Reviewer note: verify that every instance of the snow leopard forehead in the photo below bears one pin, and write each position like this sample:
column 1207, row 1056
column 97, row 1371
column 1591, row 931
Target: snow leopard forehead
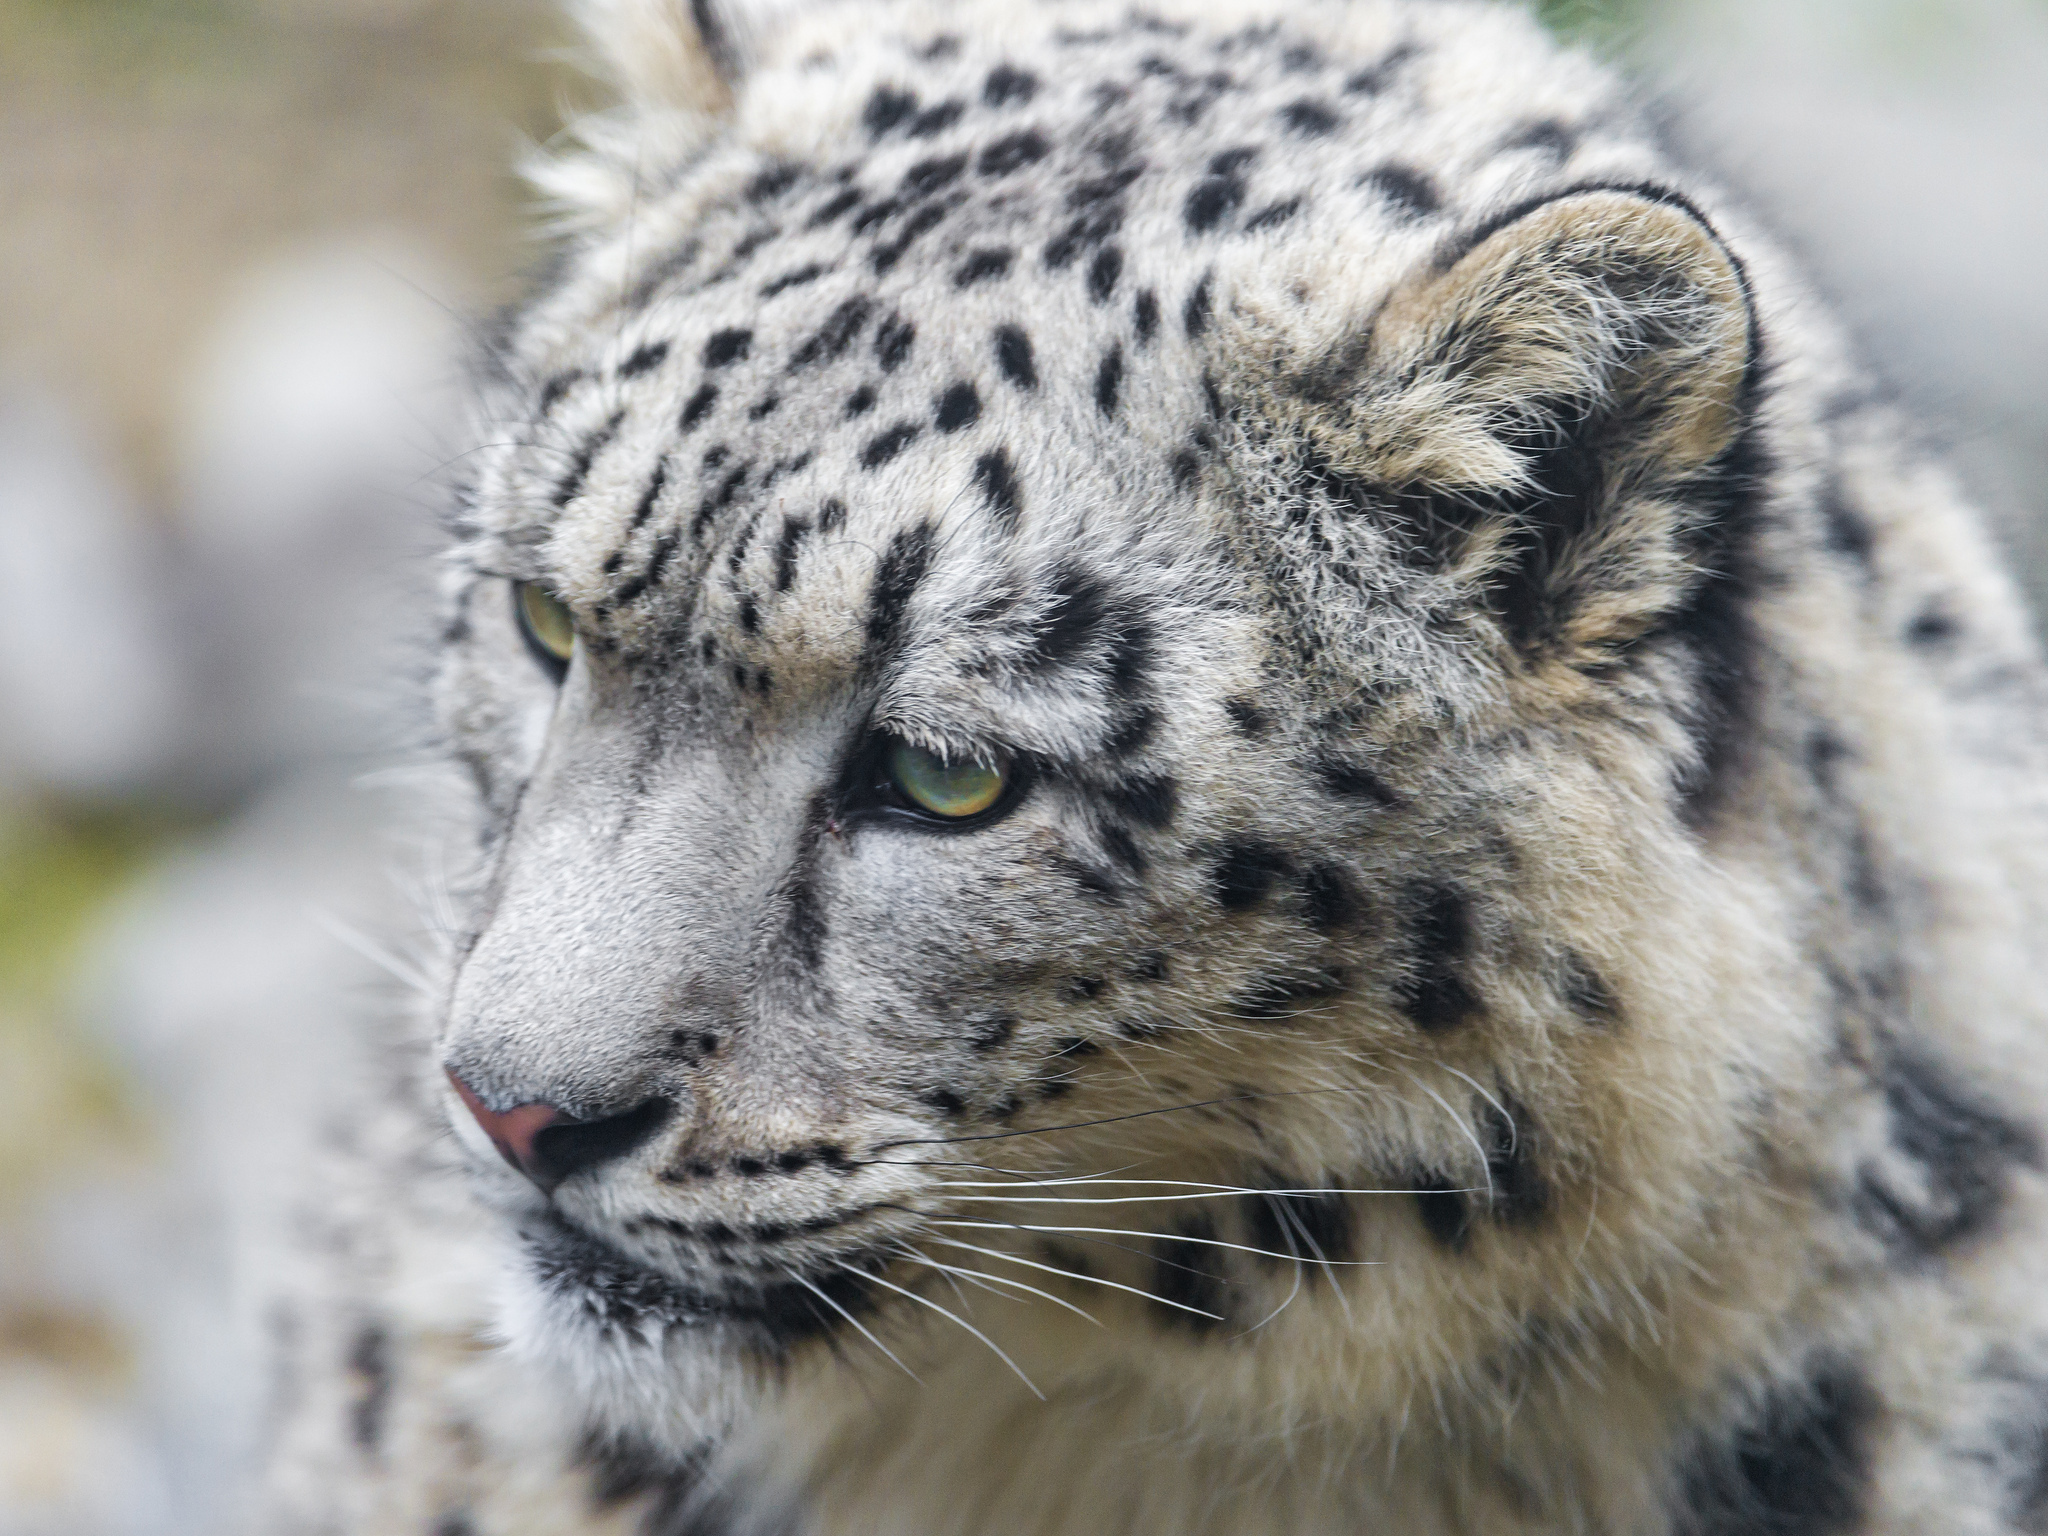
column 968, row 291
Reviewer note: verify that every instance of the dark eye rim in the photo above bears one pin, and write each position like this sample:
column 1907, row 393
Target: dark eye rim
column 871, row 793
column 556, row 667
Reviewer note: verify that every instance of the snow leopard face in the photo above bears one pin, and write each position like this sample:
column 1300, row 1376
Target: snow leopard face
column 1065, row 593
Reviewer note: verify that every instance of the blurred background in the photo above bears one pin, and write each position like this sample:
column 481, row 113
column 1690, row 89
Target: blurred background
column 240, row 244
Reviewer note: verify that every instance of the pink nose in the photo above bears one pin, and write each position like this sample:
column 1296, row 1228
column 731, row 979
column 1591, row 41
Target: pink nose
column 513, row 1131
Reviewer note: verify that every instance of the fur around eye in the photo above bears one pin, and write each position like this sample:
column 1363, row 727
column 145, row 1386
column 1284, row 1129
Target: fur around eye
column 547, row 627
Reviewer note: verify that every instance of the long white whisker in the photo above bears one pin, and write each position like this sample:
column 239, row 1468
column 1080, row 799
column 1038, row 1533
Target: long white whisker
column 1068, row 1274
column 1219, row 1194
column 926, row 1301
column 1514, row 1130
column 973, row 1278
column 1292, row 1291
column 1485, row 1163
column 1177, row 1237
column 374, row 952
column 885, row 1349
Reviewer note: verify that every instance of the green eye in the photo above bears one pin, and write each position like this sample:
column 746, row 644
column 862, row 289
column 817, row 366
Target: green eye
column 952, row 790
column 546, row 623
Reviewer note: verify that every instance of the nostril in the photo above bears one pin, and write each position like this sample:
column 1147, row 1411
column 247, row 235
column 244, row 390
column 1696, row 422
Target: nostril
column 548, row 1146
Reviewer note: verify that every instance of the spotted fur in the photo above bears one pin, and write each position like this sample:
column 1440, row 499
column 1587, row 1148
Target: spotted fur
column 1505, row 1002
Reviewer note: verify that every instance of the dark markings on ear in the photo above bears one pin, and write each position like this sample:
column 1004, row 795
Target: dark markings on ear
column 831, row 515
column 861, row 401
column 1848, row 534
column 1309, row 118
column 1411, row 194
column 1329, row 897
column 793, row 532
column 1109, row 381
column 570, row 486
column 1797, row 1461
column 1185, row 1269
column 917, row 225
column 997, row 481
column 1249, row 720
column 1013, row 152
column 645, row 359
column 1014, row 357
column 699, row 406
column 1961, row 1149
column 793, row 279
column 370, row 1381
column 1268, row 999
column 1316, row 1229
column 1145, row 315
column 1433, row 994
column 727, row 347
column 1519, row 1194
column 1246, row 871
column 958, row 408
column 1220, row 194
column 644, row 508
column 903, row 565
column 887, row 444
column 1150, row 802
column 1103, row 273
column 1586, row 992
column 1377, row 77
column 933, row 121
column 1354, row 781
column 1008, row 86
column 893, row 340
column 983, row 266
column 886, row 108
column 1445, row 1211
column 551, row 392
column 837, row 334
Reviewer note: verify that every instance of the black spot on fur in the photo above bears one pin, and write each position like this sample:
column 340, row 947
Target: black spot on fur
column 933, row 175
column 1014, row 357
column 861, row 401
column 1008, row 86
column 1103, row 272
column 1376, row 78
column 992, row 1033
column 1310, row 119
column 1446, row 1213
column 1316, row 1228
column 369, row 1369
column 699, row 406
column 983, row 266
column 1519, row 1193
column 833, row 337
column 1194, row 315
column 793, row 532
column 959, row 407
column 645, row 359
column 893, row 340
column 1549, row 137
column 1587, row 993
column 1013, row 152
column 886, row 445
column 795, row 279
column 1150, row 967
column 996, row 479
column 551, row 392
column 1932, row 627
column 570, row 486
column 1272, row 998
column 902, row 567
column 1219, row 195
column 944, row 1100
column 831, row 515
column 1250, row 720
column 727, row 347
column 764, row 407
column 934, row 121
column 886, row 108
column 644, row 508
column 1273, row 216
column 1796, row 1465
column 1145, row 315
column 1354, row 781
column 1245, row 873
column 1109, row 380
column 1412, row 194
column 1847, row 533
column 1963, row 1149
column 833, row 207
column 1433, row 994
column 1329, row 896
column 1186, row 1270
column 1150, row 802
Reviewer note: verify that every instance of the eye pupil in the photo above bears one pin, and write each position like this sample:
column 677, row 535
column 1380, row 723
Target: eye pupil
column 546, row 621
column 950, row 790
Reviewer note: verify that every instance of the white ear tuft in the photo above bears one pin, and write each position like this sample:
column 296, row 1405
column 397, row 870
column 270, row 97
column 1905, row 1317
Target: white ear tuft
column 679, row 55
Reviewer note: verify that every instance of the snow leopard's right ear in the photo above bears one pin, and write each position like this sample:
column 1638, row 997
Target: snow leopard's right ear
column 684, row 56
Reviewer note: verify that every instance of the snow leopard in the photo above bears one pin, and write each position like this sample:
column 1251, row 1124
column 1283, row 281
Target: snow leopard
column 1221, row 774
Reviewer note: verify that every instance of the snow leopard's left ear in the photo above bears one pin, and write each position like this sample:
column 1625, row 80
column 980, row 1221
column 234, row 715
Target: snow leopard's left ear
column 1553, row 415
column 679, row 55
